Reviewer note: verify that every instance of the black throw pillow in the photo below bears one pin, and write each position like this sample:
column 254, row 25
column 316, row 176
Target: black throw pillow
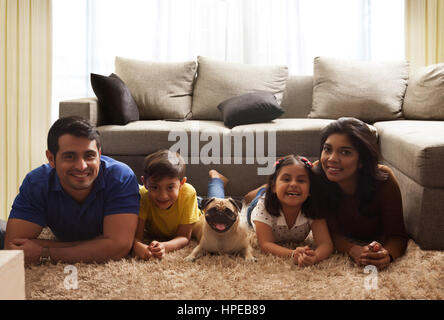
column 255, row 107
column 115, row 99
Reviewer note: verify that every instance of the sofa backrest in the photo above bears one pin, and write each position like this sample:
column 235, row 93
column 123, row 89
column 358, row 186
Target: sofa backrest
column 297, row 97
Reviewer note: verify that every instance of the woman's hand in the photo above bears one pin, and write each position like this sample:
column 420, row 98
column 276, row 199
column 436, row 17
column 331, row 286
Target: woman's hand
column 375, row 254
column 356, row 252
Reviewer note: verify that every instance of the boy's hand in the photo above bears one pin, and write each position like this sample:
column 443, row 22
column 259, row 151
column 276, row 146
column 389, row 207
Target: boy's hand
column 142, row 251
column 157, row 249
column 307, row 258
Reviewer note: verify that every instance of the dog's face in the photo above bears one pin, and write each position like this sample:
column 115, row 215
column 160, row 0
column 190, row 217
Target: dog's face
column 221, row 214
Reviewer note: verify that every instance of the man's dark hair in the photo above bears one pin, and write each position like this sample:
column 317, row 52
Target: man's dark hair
column 75, row 126
column 164, row 163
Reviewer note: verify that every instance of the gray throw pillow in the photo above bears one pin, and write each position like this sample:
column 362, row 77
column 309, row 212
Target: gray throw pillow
column 161, row 90
column 424, row 98
column 218, row 81
column 369, row 91
column 248, row 108
column 115, row 99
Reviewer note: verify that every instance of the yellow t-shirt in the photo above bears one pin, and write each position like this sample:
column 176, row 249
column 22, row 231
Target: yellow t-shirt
column 164, row 223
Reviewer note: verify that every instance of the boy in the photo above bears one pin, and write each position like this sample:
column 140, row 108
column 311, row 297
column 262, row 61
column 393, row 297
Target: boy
column 168, row 206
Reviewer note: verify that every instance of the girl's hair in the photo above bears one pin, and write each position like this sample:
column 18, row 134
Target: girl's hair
column 366, row 144
column 309, row 207
column 162, row 164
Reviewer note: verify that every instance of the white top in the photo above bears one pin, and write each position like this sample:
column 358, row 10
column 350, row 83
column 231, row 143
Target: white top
column 281, row 233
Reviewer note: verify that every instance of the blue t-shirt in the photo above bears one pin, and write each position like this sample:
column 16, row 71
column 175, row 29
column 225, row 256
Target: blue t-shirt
column 43, row 201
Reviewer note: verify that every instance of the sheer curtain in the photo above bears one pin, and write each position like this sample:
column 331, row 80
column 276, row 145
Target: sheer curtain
column 88, row 34
column 424, row 32
column 25, row 92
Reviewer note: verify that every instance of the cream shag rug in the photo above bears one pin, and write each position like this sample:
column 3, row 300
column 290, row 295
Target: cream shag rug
column 417, row 275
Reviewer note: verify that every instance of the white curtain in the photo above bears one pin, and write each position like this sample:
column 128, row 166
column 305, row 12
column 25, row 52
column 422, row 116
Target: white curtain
column 88, row 34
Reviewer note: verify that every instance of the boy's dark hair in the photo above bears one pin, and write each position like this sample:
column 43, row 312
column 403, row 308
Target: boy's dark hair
column 309, row 207
column 75, row 126
column 164, row 163
column 366, row 144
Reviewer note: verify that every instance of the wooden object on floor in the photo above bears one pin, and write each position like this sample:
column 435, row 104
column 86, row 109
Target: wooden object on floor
column 12, row 275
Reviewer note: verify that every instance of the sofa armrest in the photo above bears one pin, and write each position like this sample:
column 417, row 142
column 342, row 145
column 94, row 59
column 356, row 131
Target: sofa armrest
column 87, row 108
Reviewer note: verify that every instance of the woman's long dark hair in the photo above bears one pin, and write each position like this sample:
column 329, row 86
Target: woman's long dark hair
column 310, row 207
column 368, row 174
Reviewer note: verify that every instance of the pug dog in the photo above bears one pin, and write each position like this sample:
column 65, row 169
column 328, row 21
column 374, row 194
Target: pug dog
column 219, row 230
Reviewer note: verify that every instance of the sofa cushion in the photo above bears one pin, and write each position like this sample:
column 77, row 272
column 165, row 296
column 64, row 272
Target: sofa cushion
column 370, row 91
column 416, row 148
column 144, row 137
column 282, row 136
column 161, row 90
column 218, row 81
column 115, row 99
column 254, row 107
column 424, row 98
column 298, row 96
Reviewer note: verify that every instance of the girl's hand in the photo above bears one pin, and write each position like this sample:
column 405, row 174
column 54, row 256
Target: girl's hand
column 297, row 252
column 307, row 258
column 375, row 254
column 157, row 249
column 141, row 250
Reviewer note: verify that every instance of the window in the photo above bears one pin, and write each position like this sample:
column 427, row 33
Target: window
column 88, row 34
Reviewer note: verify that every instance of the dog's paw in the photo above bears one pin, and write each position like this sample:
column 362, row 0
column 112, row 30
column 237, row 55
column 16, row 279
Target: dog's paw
column 190, row 258
column 251, row 259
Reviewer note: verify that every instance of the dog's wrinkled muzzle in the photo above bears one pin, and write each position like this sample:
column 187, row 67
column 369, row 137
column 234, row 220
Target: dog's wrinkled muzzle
column 220, row 220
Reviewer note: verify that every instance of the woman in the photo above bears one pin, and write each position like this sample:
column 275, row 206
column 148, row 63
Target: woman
column 362, row 197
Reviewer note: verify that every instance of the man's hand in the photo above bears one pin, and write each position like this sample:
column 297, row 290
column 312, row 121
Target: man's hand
column 31, row 250
column 157, row 249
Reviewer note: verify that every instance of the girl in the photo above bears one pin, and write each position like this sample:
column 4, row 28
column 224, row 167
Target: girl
column 287, row 213
column 362, row 197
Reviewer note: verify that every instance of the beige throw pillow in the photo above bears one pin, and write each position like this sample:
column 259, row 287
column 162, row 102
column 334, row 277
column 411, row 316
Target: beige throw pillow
column 369, row 91
column 218, row 81
column 424, row 98
column 161, row 90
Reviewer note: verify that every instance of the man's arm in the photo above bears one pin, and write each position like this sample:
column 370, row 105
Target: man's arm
column 22, row 229
column 115, row 243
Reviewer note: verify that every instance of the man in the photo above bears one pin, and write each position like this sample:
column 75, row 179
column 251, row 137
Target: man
column 89, row 201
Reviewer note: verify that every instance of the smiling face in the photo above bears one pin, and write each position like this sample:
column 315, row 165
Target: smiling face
column 340, row 161
column 77, row 164
column 163, row 193
column 292, row 186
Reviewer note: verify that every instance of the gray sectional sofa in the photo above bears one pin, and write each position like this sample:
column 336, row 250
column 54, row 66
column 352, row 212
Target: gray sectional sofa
column 413, row 148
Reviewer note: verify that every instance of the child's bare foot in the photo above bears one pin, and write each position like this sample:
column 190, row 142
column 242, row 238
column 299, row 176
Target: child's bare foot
column 250, row 195
column 214, row 174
